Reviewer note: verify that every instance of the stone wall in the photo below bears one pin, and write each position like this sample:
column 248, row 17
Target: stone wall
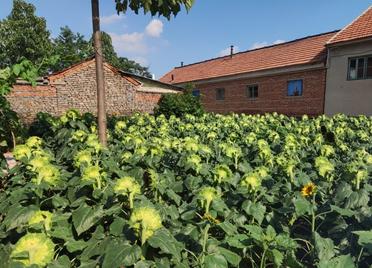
column 272, row 94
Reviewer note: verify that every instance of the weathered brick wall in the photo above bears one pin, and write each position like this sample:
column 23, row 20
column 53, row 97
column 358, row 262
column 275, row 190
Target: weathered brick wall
column 272, row 95
column 27, row 101
column 146, row 102
column 78, row 90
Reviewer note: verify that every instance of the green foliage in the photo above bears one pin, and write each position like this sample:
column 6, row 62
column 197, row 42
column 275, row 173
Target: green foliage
column 121, row 63
column 179, row 105
column 164, row 8
column 24, row 35
column 71, row 48
column 11, row 128
column 196, row 191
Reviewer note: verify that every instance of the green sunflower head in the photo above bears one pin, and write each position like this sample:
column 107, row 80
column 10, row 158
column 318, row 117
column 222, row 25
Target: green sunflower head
column 41, row 217
column 22, row 151
column 207, row 195
column 83, row 157
column 38, row 247
column 38, row 162
column 252, row 181
column 325, row 167
column 34, row 142
column 222, row 173
column 79, row 135
column 145, row 221
column 127, row 185
column 49, row 174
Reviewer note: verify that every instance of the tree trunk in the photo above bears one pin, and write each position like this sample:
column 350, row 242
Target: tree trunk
column 101, row 108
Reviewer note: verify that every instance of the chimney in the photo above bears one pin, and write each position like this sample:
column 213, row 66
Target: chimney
column 153, row 76
column 231, row 51
column 172, row 77
column 181, row 63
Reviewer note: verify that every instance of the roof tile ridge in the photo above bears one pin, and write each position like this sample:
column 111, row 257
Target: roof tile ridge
column 256, row 49
column 347, row 26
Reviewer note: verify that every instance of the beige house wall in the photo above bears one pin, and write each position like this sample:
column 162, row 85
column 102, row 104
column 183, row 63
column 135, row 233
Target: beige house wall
column 351, row 97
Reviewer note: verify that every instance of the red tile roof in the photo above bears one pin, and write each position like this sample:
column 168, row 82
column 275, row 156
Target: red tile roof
column 360, row 28
column 308, row 50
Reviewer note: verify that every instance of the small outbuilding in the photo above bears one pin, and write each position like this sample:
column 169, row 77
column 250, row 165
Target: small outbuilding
column 75, row 87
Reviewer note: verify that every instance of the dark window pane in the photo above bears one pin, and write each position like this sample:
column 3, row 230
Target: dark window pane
column 196, row 93
column 295, row 88
column 352, row 69
column 220, row 94
column 252, row 91
column 255, row 93
column 369, row 68
column 360, row 72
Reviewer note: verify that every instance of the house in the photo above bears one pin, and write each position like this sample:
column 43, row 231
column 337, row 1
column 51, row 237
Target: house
column 75, row 87
column 349, row 68
column 311, row 75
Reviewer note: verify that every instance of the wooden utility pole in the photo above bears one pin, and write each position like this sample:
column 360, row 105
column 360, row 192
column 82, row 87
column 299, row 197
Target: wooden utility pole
column 100, row 78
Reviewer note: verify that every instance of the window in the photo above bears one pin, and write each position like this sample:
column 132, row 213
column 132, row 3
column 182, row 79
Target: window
column 220, row 94
column 196, row 93
column 360, row 68
column 252, row 91
column 295, row 87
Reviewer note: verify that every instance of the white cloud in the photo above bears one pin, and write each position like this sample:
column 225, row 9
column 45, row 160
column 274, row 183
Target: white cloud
column 141, row 60
column 129, row 43
column 137, row 45
column 265, row 44
column 154, row 28
column 105, row 20
column 279, row 41
column 259, row 45
column 227, row 51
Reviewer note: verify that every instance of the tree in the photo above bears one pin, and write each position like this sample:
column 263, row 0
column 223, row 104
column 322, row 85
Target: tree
column 10, row 125
column 23, row 35
column 71, row 48
column 121, row 63
column 165, row 8
column 133, row 67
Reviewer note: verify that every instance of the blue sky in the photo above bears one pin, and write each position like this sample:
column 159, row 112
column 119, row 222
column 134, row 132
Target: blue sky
column 209, row 28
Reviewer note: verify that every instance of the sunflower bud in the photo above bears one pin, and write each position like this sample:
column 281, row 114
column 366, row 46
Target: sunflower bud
column 206, row 196
column 127, row 186
column 34, row 142
column 22, row 151
column 222, row 173
column 145, row 221
column 42, row 217
column 39, row 247
column 83, row 157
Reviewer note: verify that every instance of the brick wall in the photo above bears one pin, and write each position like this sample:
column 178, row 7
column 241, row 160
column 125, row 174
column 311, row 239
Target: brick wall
column 272, row 95
column 27, row 101
column 76, row 88
column 146, row 102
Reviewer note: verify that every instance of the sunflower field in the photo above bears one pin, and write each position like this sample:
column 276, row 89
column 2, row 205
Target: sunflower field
column 208, row 191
